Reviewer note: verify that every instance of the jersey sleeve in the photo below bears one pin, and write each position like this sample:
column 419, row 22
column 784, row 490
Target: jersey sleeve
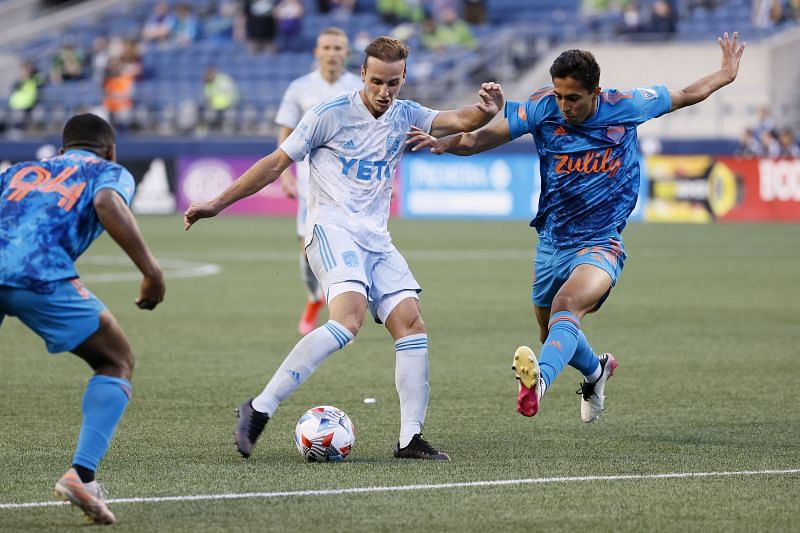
column 117, row 178
column 312, row 131
column 524, row 116
column 637, row 105
column 289, row 112
column 420, row 116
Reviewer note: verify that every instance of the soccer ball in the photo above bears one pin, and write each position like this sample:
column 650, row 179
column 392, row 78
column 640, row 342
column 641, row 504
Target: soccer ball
column 324, row 433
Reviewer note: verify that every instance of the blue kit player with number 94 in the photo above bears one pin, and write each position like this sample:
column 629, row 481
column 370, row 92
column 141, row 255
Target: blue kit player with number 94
column 50, row 212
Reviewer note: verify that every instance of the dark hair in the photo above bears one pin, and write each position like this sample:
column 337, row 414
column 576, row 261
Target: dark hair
column 579, row 65
column 386, row 49
column 88, row 131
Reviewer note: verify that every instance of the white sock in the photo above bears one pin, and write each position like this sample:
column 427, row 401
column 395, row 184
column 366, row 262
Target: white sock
column 411, row 380
column 301, row 362
column 594, row 376
column 310, row 280
column 542, row 387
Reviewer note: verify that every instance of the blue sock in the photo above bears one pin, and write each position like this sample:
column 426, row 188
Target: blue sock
column 104, row 402
column 559, row 347
column 585, row 360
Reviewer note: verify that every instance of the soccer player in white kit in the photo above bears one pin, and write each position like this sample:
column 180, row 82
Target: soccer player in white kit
column 327, row 81
column 355, row 142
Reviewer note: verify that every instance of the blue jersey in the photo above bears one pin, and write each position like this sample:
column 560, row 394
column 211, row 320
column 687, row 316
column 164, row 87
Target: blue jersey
column 590, row 172
column 47, row 216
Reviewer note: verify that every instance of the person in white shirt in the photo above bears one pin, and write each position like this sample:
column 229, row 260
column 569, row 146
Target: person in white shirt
column 327, row 81
column 355, row 142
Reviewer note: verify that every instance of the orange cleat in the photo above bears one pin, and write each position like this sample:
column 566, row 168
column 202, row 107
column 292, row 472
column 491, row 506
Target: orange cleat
column 308, row 322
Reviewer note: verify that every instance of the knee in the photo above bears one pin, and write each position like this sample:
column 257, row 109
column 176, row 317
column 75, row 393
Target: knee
column 353, row 323
column 127, row 364
column 565, row 302
column 414, row 325
column 121, row 364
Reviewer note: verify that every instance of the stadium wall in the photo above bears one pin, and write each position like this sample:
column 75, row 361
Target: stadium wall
column 502, row 184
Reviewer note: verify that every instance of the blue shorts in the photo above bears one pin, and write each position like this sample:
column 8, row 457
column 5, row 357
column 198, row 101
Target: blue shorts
column 64, row 318
column 553, row 265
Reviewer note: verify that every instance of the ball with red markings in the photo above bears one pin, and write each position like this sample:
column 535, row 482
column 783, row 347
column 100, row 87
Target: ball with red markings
column 324, row 433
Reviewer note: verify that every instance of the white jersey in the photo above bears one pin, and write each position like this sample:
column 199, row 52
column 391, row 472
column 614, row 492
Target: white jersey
column 304, row 93
column 353, row 157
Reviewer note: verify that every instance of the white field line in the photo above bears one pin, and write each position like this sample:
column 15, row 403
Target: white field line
column 409, row 488
column 173, row 269
column 195, row 265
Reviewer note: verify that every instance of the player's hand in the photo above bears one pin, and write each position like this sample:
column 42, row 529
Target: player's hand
column 289, row 184
column 151, row 292
column 418, row 139
column 198, row 211
column 492, row 98
column 732, row 52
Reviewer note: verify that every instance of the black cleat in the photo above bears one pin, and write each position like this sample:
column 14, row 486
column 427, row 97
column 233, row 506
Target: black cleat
column 419, row 448
column 251, row 424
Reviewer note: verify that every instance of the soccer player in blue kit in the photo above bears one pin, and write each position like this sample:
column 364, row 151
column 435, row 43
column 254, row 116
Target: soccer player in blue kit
column 589, row 162
column 50, row 212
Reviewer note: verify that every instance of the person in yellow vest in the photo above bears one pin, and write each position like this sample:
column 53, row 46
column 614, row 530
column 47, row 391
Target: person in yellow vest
column 221, row 94
column 24, row 93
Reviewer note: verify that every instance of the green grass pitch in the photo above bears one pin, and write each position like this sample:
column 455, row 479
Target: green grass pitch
column 705, row 323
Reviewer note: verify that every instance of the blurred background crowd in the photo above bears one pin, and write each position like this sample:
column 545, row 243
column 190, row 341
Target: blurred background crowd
column 195, row 67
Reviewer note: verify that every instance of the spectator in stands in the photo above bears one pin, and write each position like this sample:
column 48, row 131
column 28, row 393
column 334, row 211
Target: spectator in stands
column 399, row 11
column 631, row 23
column 766, row 13
column 343, row 7
column 67, row 64
column 221, row 94
column 259, row 21
column 449, row 33
column 159, row 25
column 99, row 57
column 118, row 88
column 130, row 58
column 770, row 147
column 475, row 12
column 749, row 145
column 25, row 91
column 792, row 11
column 220, row 26
column 789, row 146
column 595, row 12
column 663, row 20
column 187, row 27
column 289, row 17
column 765, row 122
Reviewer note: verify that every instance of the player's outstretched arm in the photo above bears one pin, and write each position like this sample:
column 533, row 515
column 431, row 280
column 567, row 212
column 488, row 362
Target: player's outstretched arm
column 470, row 117
column 461, row 143
column 262, row 173
column 701, row 89
column 117, row 219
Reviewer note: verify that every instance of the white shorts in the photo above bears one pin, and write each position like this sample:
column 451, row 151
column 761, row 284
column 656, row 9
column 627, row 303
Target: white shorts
column 342, row 265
